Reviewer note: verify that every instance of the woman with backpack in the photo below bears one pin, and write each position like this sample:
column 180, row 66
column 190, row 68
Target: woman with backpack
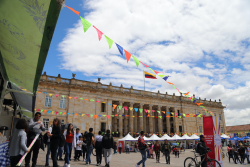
column 70, row 141
column 55, row 140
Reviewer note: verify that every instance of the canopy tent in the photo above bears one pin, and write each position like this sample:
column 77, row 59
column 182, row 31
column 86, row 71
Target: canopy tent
column 145, row 138
column 153, row 138
column 128, row 137
column 176, row 137
column 225, row 136
column 236, row 138
column 186, row 137
column 26, row 31
column 194, row 137
column 246, row 137
column 165, row 137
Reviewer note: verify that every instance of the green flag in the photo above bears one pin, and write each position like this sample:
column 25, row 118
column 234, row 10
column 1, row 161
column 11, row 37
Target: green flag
column 91, row 115
column 85, row 24
column 110, row 41
column 162, row 75
column 120, row 107
column 137, row 62
column 141, row 110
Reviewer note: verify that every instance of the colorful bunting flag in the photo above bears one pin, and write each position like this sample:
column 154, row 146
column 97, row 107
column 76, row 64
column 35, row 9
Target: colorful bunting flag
column 76, row 12
column 119, row 48
column 110, row 41
column 136, row 61
column 85, row 24
column 140, row 110
column 128, row 55
column 114, row 106
column 120, row 107
column 130, row 108
column 99, row 33
column 144, row 64
column 136, row 109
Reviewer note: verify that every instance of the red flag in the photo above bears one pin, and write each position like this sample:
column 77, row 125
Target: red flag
column 99, row 33
column 128, row 55
column 76, row 12
column 144, row 64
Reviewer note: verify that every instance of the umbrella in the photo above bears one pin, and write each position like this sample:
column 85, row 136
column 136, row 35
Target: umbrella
column 65, row 126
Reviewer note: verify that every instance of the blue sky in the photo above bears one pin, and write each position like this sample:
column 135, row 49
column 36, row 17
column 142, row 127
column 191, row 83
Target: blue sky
column 203, row 46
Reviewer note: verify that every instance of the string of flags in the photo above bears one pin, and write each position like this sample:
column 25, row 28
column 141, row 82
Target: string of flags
column 167, row 114
column 86, row 25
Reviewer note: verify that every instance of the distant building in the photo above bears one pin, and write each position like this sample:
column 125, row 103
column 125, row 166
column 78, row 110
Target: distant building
column 125, row 119
column 239, row 130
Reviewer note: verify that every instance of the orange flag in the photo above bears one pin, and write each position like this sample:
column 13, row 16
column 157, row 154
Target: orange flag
column 70, row 97
column 114, row 106
column 128, row 55
column 186, row 94
column 76, row 12
column 76, row 114
column 199, row 103
column 95, row 116
column 64, row 113
column 45, row 111
column 116, row 115
column 170, row 83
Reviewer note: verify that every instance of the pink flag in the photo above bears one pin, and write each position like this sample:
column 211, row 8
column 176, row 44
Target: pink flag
column 99, row 33
column 75, row 97
column 125, row 107
column 108, row 116
column 56, row 112
column 145, row 110
column 57, row 95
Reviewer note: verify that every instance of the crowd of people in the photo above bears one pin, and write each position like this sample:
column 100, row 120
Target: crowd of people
column 239, row 152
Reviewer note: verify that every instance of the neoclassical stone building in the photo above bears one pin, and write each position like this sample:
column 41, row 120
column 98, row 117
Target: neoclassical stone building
column 50, row 86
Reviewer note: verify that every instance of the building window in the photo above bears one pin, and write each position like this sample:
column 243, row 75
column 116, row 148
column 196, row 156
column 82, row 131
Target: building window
column 200, row 128
column 220, row 116
column 63, row 102
column 46, row 123
column 48, row 101
column 103, row 126
column 62, row 122
column 103, row 107
column 221, row 130
column 180, row 129
column 178, row 112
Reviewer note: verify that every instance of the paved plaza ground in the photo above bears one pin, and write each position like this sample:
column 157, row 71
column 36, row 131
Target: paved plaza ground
column 129, row 160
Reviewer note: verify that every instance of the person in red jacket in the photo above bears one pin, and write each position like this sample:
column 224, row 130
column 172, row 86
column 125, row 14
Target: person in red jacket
column 142, row 147
column 176, row 152
column 157, row 151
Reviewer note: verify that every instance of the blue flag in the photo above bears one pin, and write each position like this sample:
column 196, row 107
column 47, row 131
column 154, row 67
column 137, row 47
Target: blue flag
column 165, row 78
column 136, row 109
column 120, row 49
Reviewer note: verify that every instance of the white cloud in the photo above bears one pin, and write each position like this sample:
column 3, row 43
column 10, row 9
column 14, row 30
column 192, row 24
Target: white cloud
column 176, row 37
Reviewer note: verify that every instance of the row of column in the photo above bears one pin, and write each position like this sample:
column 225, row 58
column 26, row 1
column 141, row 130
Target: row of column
column 137, row 124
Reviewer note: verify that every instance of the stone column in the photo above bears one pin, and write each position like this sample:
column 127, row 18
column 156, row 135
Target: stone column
column 115, row 119
column 131, row 118
column 125, row 121
column 151, row 124
column 159, row 120
column 135, row 120
column 176, row 123
column 141, row 119
column 168, row 120
column 109, row 110
column 120, row 119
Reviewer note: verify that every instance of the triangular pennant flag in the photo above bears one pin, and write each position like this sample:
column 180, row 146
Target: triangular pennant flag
column 50, row 94
column 87, row 115
column 130, row 108
column 114, row 106
column 157, row 72
column 39, row 92
column 85, row 24
column 125, row 107
column 91, row 115
column 57, row 95
column 76, row 114
column 153, row 110
column 98, row 101
column 108, row 116
column 112, row 115
column 110, row 41
column 75, row 97
column 170, row 83
column 76, row 12
column 99, row 33
column 53, row 112
column 68, row 113
column 95, row 116
column 136, row 109
column 161, row 76
column 70, row 97
column 136, row 61
column 144, row 64
column 81, row 98
column 83, row 115
column 45, row 111
column 120, row 49
column 116, row 115
column 128, row 55
column 91, row 100
column 41, row 110
column 104, row 115
column 165, row 78
column 99, row 115
column 56, row 112
column 120, row 107
column 160, row 117
column 140, row 110
column 49, row 111
column 146, row 111
column 64, row 113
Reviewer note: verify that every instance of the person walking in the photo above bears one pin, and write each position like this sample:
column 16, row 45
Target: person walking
column 98, row 147
column 166, row 149
column 60, row 149
column 120, row 147
column 157, row 151
column 70, row 141
column 78, row 148
column 127, row 149
column 90, row 142
column 142, row 147
column 242, row 154
column 35, row 127
column 115, row 148
column 55, row 139
column 236, row 154
column 78, row 134
column 48, row 147
column 136, row 147
column 17, row 146
column 84, row 147
column 107, row 142
column 230, row 152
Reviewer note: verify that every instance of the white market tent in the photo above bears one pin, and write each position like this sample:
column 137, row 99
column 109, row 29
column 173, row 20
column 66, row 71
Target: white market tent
column 153, row 138
column 165, row 137
column 186, row 137
column 145, row 138
column 175, row 137
column 194, row 137
column 225, row 136
column 128, row 137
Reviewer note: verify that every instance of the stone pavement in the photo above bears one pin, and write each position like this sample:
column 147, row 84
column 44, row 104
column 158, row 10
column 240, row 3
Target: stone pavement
column 129, row 160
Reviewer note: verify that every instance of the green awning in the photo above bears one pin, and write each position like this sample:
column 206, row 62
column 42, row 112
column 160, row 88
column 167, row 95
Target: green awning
column 26, row 30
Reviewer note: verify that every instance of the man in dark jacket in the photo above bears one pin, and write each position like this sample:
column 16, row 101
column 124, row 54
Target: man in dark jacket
column 142, row 148
column 202, row 149
column 107, row 143
column 166, row 149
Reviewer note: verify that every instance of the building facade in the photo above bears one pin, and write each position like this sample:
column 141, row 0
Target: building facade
column 61, row 95
column 238, row 130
